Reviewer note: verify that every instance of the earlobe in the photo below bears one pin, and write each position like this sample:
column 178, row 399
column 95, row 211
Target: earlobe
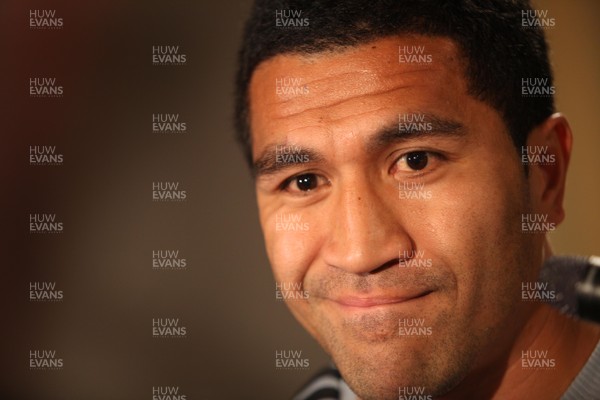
column 547, row 155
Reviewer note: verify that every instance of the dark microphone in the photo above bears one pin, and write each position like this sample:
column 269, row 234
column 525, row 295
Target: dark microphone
column 588, row 291
column 576, row 283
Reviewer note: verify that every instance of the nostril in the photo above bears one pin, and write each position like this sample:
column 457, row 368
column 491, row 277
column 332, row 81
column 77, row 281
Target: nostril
column 383, row 267
column 404, row 256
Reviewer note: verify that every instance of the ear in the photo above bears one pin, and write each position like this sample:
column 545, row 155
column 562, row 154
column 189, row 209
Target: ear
column 547, row 154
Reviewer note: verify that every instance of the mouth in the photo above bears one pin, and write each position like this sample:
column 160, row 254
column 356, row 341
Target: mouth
column 371, row 302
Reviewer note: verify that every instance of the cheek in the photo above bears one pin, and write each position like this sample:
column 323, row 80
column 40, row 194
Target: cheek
column 292, row 242
column 474, row 213
column 463, row 212
column 473, row 226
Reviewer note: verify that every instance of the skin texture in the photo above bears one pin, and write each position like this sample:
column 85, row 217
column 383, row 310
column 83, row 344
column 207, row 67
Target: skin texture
column 354, row 255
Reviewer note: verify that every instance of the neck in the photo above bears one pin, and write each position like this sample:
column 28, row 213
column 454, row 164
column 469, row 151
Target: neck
column 545, row 358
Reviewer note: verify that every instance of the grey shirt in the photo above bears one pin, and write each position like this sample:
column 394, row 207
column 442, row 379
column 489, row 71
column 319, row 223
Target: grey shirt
column 586, row 385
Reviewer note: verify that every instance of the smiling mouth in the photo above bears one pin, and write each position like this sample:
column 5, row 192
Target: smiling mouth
column 376, row 301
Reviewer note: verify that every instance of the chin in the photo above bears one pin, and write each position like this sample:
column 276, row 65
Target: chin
column 379, row 371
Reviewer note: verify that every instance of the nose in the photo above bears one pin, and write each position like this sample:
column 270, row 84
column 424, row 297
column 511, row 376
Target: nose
column 366, row 232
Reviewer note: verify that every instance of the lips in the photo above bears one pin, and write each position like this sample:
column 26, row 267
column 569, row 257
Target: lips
column 375, row 301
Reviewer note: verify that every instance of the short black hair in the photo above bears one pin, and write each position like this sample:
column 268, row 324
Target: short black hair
column 499, row 49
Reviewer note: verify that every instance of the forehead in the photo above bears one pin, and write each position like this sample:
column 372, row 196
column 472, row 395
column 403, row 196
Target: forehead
column 293, row 92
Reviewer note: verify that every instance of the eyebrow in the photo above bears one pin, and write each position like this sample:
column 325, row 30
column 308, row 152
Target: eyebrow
column 435, row 126
column 273, row 161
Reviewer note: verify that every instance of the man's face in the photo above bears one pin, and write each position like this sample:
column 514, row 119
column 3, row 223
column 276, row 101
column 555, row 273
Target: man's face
column 388, row 224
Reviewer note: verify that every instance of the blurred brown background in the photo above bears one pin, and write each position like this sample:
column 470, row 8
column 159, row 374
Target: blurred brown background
column 102, row 261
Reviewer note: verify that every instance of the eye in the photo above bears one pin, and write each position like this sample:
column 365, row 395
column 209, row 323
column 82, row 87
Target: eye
column 306, row 182
column 302, row 183
column 415, row 161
